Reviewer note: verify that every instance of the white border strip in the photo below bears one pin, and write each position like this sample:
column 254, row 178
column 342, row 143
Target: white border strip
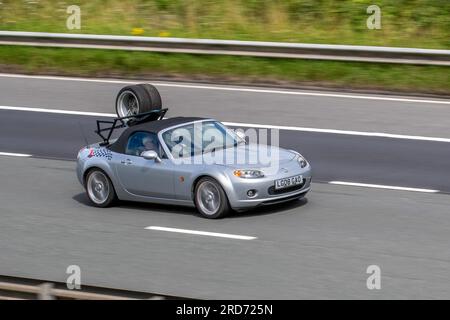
column 202, row 233
column 248, row 125
column 377, row 186
column 231, row 88
column 305, row 93
column 58, row 111
column 9, row 154
column 334, row 131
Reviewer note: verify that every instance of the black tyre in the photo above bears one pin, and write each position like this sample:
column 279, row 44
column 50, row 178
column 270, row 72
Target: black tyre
column 155, row 97
column 210, row 199
column 100, row 189
column 136, row 99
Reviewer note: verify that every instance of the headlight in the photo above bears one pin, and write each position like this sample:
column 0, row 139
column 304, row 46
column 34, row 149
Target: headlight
column 248, row 174
column 302, row 161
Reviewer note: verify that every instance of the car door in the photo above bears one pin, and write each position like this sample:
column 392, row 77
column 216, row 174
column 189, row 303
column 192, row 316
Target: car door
column 141, row 177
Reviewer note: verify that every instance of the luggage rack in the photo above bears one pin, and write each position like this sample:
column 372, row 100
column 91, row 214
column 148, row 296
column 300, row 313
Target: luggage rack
column 118, row 123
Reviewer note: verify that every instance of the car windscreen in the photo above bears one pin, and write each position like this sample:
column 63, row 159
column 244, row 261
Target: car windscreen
column 198, row 138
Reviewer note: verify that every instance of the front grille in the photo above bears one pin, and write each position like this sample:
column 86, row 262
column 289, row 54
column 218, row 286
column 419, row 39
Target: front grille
column 272, row 190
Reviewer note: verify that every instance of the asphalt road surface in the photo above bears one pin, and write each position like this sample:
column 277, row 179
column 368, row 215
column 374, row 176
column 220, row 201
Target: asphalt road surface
column 318, row 248
column 397, row 162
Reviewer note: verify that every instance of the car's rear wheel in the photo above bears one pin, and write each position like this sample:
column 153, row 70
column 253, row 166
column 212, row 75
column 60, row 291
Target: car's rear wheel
column 136, row 99
column 210, row 199
column 100, row 189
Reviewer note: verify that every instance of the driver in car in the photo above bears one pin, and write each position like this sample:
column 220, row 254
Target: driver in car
column 149, row 144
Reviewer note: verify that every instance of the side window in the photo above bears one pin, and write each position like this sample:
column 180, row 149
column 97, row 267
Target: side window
column 142, row 141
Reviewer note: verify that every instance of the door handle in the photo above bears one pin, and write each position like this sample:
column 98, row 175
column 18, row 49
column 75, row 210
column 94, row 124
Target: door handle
column 126, row 162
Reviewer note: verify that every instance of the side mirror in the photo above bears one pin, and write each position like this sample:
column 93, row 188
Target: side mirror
column 150, row 155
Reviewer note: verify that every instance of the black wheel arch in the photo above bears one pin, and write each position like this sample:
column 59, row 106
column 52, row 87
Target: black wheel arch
column 196, row 181
column 88, row 170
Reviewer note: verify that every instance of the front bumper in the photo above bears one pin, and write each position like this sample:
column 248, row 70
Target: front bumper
column 265, row 193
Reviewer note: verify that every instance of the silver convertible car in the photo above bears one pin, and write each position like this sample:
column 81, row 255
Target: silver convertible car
column 185, row 161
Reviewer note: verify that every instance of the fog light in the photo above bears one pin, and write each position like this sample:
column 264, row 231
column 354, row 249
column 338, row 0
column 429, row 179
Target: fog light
column 251, row 193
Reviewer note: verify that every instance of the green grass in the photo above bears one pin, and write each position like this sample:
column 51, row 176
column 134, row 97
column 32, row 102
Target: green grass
column 429, row 79
column 410, row 23
column 417, row 23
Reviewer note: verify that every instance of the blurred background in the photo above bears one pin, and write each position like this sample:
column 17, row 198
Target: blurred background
column 412, row 23
column 381, row 169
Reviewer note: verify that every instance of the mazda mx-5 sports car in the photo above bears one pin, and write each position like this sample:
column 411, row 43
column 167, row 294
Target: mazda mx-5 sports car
column 185, row 160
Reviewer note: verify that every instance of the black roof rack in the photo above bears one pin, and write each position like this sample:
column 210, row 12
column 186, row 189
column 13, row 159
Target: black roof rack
column 117, row 123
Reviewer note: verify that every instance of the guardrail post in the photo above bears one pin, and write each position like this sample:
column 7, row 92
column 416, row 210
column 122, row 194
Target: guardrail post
column 45, row 291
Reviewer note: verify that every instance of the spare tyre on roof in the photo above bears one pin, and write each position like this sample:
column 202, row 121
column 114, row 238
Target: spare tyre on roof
column 136, row 99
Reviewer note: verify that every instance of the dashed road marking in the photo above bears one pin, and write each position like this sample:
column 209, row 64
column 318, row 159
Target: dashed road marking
column 9, row 154
column 378, row 186
column 202, row 233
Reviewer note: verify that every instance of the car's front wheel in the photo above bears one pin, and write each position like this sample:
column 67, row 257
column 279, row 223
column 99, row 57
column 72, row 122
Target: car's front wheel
column 210, row 199
column 99, row 189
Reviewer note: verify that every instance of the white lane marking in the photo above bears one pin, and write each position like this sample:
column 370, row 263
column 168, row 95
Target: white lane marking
column 305, row 93
column 345, row 132
column 377, row 186
column 231, row 88
column 248, row 125
column 58, row 111
column 77, row 79
column 202, row 233
column 9, row 154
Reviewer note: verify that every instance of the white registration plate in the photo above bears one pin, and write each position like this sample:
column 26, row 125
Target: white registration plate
column 288, row 182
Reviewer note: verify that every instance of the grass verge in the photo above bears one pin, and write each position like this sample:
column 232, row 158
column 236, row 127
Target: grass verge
column 288, row 72
column 418, row 23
